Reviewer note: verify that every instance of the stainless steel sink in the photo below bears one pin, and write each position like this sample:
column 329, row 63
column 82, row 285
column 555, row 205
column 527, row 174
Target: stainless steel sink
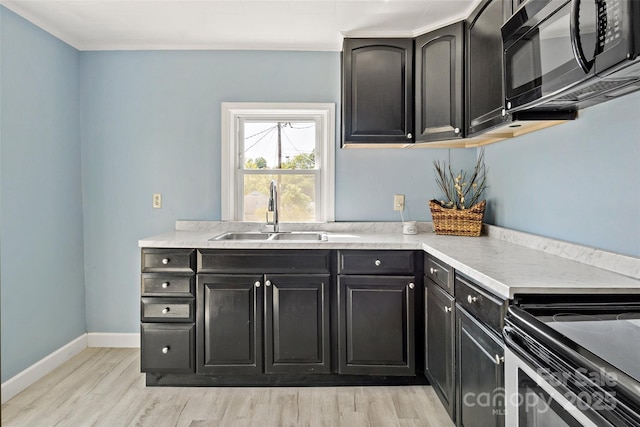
column 242, row 236
column 299, row 236
column 283, row 236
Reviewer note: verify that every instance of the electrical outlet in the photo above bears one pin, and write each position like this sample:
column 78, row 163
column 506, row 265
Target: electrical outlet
column 398, row 202
column 157, row 200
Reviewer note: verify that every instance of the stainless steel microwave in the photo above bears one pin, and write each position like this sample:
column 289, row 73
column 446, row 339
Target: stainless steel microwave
column 569, row 54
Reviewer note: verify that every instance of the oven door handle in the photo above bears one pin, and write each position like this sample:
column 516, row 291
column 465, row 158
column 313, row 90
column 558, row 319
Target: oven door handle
column 576, row 42
column 511, row 340
column 508, row 334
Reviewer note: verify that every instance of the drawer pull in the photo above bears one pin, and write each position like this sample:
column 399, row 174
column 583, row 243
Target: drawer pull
column 412, row 285
column 447, row 309
column 165, row 261
column 166, row 349
column 166, row 310
column 257, row 284
column 165, row 285
column 471, row 299
column 378, row 263
column 433, row 270
column 499, row 359
column 267, row 283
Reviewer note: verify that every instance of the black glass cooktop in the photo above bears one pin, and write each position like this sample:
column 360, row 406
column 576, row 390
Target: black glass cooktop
column 614, row 338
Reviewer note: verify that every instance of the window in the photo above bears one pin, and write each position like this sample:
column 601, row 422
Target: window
column 290, row 144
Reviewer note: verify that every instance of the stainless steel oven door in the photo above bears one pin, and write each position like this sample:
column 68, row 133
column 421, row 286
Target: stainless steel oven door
column 531, row 401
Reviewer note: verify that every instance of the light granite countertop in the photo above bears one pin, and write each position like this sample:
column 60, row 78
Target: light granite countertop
column 503, row 261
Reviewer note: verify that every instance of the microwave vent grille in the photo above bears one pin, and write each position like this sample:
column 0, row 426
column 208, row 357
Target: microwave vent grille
column 594, row 89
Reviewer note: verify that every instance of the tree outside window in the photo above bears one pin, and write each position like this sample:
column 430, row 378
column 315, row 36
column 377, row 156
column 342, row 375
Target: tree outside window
column 284, row 152
column 292, row 144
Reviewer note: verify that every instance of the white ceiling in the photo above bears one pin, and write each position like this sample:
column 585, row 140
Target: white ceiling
column 234, row 24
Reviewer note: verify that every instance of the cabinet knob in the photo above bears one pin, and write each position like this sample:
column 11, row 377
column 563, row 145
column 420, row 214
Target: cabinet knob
column 447, row 309
column 471, row 299
column 412, row 285
column 378, row 263
column 165, row 285
column 499, row 359
column 267, row 283
column 166, row 310
column 456, row 130
column 257, row 284
column 432, row 270
column 165, row 261
column 409, row 136
column 166, row 349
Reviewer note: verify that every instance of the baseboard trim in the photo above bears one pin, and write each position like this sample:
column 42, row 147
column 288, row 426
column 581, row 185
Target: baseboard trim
column 33, row 373
column 102, row 339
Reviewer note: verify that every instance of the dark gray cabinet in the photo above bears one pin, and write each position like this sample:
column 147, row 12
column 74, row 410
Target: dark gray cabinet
column 167, row 348
column 440, row 340
column 229, row 324
column 484, row 97
column 439, row 84
column 270, row 317
column 480, row 355
column 439, row 330
column 377, row 92
column 376, row 332
column 297, row 324
column 167, row 312
column 251, row 323
column 480, row 374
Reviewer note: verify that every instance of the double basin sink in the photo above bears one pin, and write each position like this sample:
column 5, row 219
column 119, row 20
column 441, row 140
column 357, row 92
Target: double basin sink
column 279, row 236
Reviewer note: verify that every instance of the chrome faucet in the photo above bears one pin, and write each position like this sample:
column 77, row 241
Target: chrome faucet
column 273, row 206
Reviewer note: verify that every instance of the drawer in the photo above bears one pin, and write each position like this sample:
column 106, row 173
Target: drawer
column 376, row 262
column 167, row 348
column 166, row 310
column 167, row 285
column 485, row 306
column 168, row 260
column 264, row 261
column 440, row 272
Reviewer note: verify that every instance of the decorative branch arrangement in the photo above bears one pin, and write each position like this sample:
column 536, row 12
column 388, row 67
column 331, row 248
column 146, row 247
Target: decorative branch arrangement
column 461, row 192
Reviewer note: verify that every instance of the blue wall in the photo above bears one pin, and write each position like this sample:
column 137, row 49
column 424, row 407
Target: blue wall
column 41, row 251
column 578, row 182
column 151, row 123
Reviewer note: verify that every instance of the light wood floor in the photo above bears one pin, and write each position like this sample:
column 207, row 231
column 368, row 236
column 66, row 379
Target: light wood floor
column 104, row 387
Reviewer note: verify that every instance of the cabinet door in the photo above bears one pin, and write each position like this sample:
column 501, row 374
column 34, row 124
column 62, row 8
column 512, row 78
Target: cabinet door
column 439, row 84
column 439, row 352
column 297, row 324
column 479, row 374
column 485, row 94
column 229, row 324
column 377, row 325
column 377, row 89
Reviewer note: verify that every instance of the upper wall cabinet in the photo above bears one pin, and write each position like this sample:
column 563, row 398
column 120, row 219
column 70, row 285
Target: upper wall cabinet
column 484, row 91
column 459, row 95
column 377, row 79
column 439, row 84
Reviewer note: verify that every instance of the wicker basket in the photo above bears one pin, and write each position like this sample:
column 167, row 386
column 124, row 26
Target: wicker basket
column 457, row 222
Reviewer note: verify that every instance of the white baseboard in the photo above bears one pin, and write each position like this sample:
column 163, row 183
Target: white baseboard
column 101, row 339
column 33, row 373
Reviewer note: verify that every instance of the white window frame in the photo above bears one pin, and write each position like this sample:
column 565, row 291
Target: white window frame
column 233, row 113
